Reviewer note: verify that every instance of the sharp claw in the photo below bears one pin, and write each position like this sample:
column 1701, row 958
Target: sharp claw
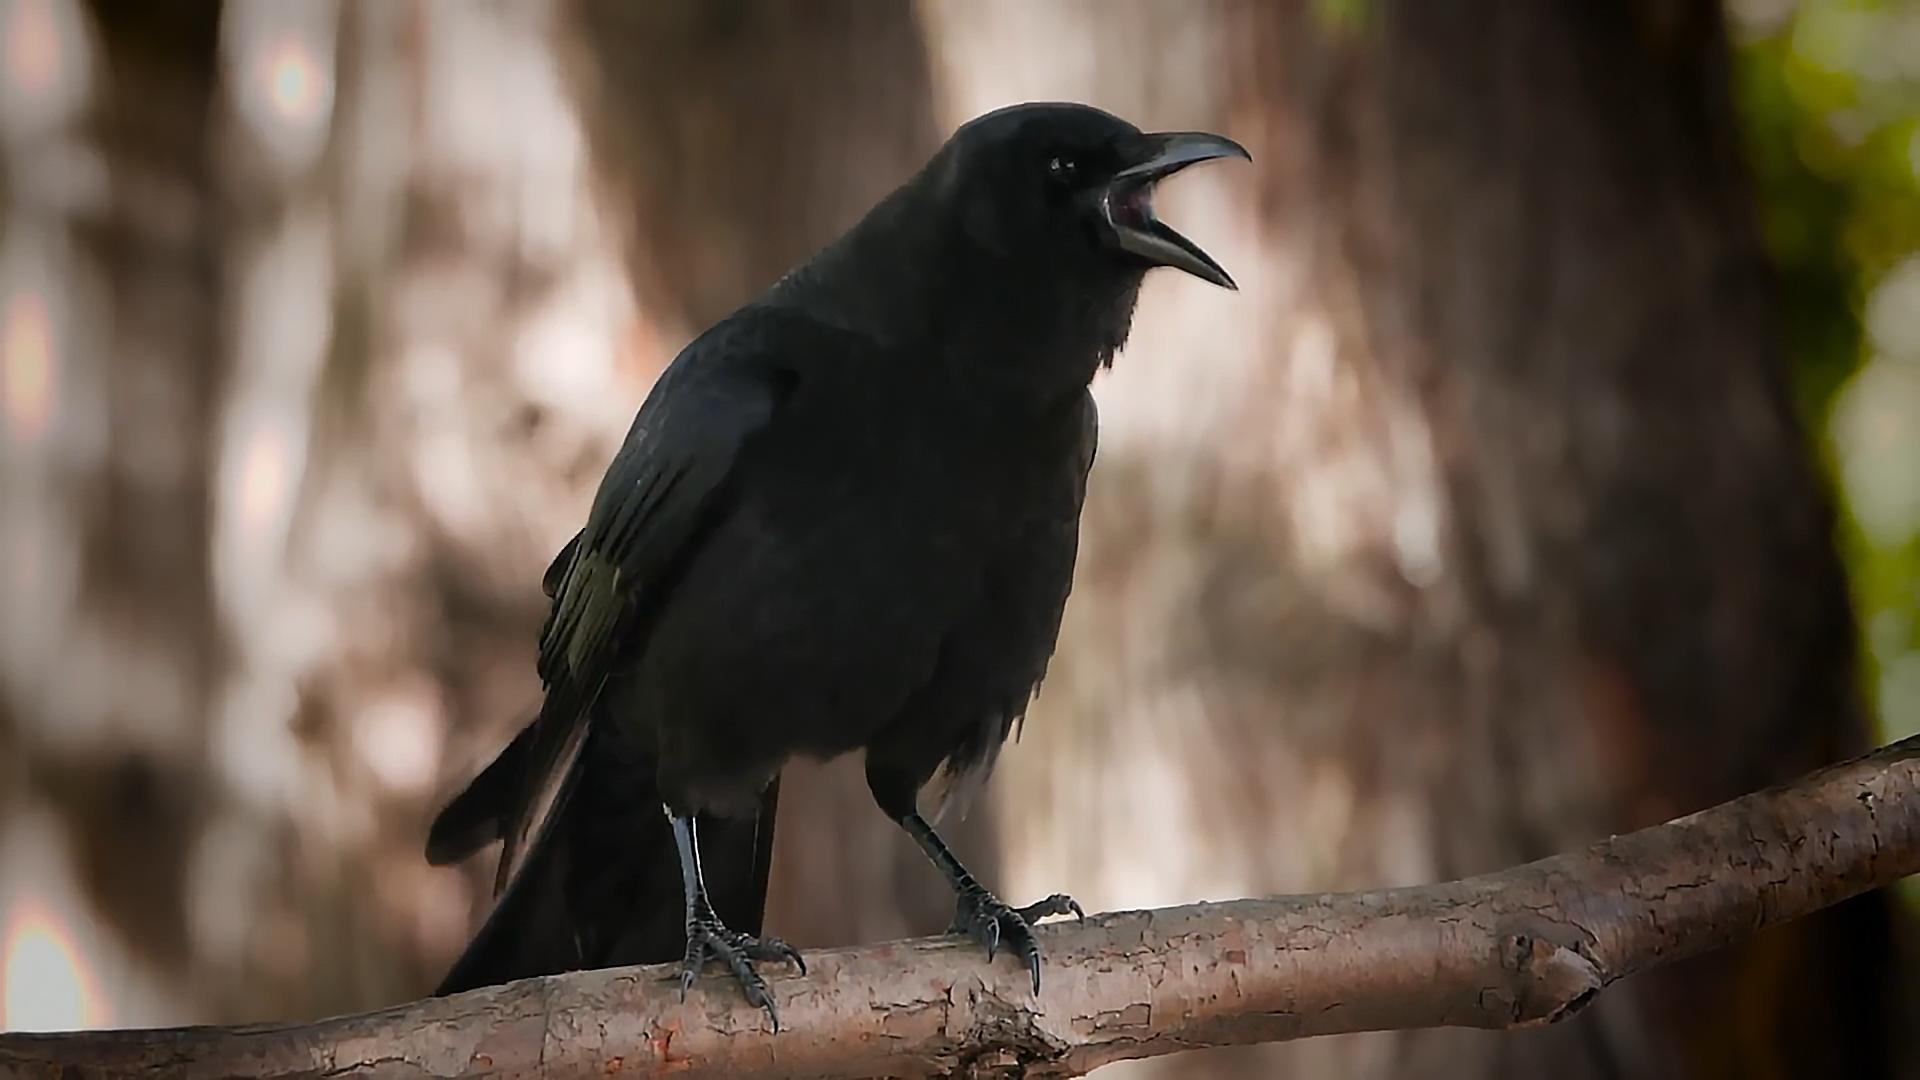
column 690, row 964
column 739, row 951
column 1022, row 936
column 992, row 922
column 1057, row 904
column 775, row 950
column 756, row 991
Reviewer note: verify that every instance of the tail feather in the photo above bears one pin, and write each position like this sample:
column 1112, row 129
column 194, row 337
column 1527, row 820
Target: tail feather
column 526, row 934
column 599, row 883
column 478, row 815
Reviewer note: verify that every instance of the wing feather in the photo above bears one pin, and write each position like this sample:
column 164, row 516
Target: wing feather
column 658, row 494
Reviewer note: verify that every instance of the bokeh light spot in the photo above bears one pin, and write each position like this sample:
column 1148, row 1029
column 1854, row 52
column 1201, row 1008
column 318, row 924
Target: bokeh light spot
column 293, row 81
column 47, row 985
column 33, row 48
column 262, row 490
column 26, row 365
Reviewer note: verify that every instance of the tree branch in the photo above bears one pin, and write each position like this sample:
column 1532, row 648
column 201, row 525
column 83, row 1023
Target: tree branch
column 1517, row 948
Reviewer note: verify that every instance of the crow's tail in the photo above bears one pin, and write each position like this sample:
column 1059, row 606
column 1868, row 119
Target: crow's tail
column 599, row 885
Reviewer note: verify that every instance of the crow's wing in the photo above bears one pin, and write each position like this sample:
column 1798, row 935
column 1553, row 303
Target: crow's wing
column 660, row 493
column 664, row 488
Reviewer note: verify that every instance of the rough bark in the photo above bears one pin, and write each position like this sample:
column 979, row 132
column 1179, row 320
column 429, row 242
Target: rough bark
column 1523, row 947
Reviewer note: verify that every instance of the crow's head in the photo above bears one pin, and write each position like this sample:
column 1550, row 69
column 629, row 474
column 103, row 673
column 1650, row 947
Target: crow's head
column 1070, row 188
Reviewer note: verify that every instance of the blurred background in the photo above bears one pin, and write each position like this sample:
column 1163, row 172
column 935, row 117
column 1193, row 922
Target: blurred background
column 1555, row 471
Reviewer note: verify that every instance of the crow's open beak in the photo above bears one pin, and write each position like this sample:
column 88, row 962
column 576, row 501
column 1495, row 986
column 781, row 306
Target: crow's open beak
column 1127, row 200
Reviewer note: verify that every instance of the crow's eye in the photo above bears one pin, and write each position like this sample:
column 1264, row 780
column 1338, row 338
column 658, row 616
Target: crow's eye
column 1061, row 167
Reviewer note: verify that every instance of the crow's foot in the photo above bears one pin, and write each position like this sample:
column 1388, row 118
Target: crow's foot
column 708, row 939
column 990, row 921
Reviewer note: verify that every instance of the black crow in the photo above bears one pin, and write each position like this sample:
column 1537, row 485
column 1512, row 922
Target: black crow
column 844, row 519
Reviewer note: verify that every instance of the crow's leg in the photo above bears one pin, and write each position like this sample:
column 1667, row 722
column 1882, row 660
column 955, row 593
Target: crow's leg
column 708, row 937
column 980, row 913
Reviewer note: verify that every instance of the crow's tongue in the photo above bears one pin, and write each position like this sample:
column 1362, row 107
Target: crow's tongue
column 1132, row 205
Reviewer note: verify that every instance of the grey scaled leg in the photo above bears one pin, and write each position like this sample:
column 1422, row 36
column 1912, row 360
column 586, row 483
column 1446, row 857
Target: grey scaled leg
column 707, row 937
column 983, row 915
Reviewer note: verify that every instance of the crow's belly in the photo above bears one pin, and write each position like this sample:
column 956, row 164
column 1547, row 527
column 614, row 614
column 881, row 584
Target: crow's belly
column 776, row 644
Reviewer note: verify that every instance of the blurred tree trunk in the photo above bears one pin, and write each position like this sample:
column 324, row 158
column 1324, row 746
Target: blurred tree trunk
column 1504, row 537
column 111, row 291
column 733, row 140
column 1639, row 610
column 327, row 364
